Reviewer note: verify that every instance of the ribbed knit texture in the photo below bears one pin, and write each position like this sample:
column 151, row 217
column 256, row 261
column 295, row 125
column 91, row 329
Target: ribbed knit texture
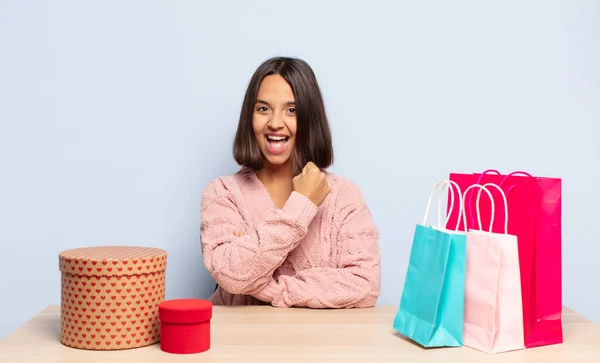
column 299, row 255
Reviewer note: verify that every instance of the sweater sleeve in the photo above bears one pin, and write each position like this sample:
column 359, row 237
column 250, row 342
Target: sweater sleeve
column 355, row 283
column 242, row 264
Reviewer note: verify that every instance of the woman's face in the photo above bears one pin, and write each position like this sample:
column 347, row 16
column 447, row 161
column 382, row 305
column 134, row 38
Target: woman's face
column 274, row 120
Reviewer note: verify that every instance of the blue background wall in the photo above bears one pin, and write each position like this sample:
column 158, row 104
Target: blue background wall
column 114, row 116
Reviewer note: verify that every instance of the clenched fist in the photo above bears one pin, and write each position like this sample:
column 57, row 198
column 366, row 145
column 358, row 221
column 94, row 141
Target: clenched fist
column 312, row 183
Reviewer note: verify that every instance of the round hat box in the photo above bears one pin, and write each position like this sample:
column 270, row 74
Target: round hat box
column 110, row 296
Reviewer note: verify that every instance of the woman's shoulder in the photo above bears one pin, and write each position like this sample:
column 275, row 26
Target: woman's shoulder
column 343, row 190
column 346, row 199
column 226, row 185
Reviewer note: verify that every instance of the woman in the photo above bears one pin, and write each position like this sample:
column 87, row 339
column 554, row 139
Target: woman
column 281, row 230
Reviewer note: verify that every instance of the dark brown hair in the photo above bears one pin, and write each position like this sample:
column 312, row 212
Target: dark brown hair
column 313, row 135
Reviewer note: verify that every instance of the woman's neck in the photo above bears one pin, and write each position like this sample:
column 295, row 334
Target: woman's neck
column 277, row 174
column 278, row 180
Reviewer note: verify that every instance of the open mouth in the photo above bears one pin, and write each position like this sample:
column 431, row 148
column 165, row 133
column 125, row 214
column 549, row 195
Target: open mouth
column 276, row 144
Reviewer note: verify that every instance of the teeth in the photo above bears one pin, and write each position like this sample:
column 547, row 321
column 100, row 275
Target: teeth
column 276, row 138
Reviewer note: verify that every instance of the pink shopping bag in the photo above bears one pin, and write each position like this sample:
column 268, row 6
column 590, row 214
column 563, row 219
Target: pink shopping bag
column 535, row 211
column 493, row 317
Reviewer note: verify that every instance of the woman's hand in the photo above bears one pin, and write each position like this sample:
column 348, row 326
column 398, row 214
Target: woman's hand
column 312, row 183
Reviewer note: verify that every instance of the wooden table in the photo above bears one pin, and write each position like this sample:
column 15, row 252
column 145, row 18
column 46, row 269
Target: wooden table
column 266, row 334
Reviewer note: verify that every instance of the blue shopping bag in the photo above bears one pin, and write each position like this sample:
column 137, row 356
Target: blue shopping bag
column 431, row 307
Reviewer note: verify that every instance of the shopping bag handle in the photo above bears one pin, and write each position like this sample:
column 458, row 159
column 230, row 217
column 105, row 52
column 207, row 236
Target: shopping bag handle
column 517, row 172
column 503, row 199
column 498, row 173
column 481, row 187
column 487, row 172
column 511, row 174
column 445, row 184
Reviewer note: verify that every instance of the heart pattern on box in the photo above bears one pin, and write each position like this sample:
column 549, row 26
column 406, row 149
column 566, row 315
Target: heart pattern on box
column 111, row 312
column 112, row 267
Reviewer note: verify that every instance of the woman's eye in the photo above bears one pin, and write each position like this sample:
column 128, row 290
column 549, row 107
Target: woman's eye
column 292, row 110
column 262, row 109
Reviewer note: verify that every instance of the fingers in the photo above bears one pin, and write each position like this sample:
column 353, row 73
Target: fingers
column 311, row 167
column 325, row 183
column 327, row 188
column 322, row 178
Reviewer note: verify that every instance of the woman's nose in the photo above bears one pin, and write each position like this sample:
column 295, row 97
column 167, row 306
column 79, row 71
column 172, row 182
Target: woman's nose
column 276, row 121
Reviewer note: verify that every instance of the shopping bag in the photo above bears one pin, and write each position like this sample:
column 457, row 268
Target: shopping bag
column 535, row 210
column 493, row 318
column 432, row 303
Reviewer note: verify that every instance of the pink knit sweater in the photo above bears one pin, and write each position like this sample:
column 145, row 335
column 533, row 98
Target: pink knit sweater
column 296, row 256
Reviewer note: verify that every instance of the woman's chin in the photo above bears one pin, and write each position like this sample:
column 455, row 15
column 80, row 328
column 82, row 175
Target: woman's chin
column 277, row 160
